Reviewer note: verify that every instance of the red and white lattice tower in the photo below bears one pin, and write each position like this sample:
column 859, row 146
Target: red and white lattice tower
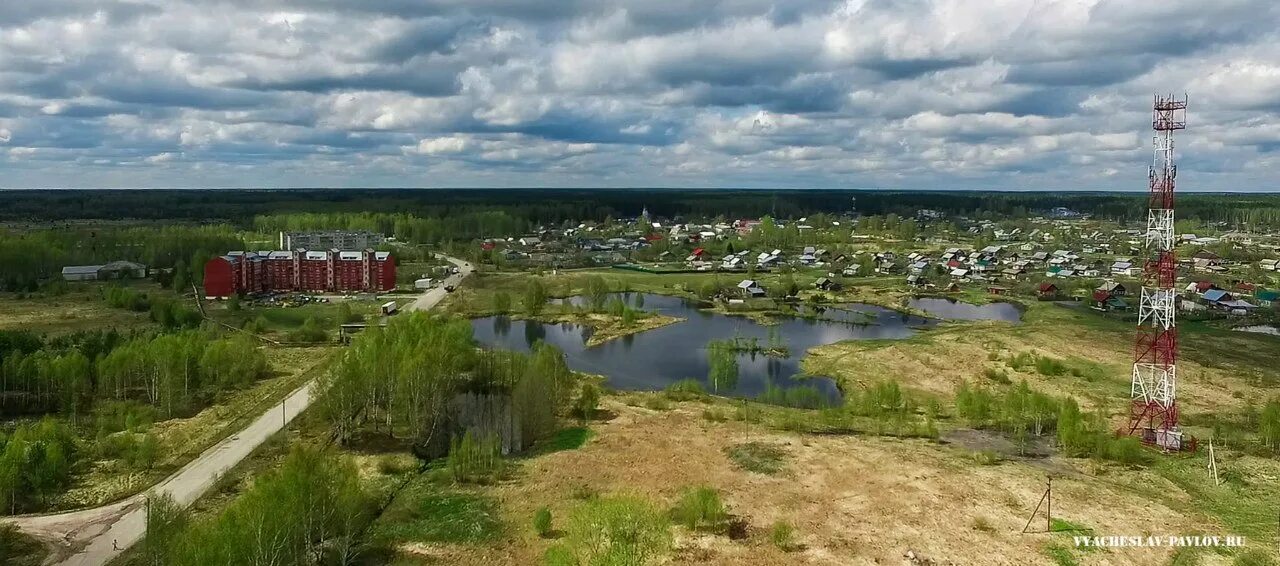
column 1153, row 393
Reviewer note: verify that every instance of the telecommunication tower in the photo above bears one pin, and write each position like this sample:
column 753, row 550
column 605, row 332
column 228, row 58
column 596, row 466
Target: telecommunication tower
column 1153, row 392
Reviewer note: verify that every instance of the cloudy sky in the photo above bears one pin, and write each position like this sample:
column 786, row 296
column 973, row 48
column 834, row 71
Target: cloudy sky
column 617, row 93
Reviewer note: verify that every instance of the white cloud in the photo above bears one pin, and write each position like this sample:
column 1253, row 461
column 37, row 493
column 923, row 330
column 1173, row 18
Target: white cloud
column 918, row 93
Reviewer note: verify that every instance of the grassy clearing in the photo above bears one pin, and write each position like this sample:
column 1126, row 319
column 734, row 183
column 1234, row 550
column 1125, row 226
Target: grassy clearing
column 80, row 308
column 570, row 438
column 425, row 512
column 277, row 321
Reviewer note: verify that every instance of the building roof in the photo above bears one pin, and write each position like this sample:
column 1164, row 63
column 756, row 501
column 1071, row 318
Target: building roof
column 120, row 265
column 80, row 269
column 1216, row 295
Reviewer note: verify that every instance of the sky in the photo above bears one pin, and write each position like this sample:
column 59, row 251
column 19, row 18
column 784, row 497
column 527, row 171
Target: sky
column 906, row 94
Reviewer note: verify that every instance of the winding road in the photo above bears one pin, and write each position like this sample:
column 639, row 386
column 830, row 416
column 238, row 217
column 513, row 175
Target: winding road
column 93, row 537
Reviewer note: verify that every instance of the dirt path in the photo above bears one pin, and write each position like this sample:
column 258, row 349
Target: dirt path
column 93, row 537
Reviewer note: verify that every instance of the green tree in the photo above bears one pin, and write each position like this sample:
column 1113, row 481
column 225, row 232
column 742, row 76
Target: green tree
column 502, row 302
column 535, row 296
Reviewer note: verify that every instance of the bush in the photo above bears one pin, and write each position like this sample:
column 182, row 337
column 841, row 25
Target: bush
column 309, row 333
column 714, row 415
column 475, row 459
column 588, row 402
column 758, row 457
column 997, row 376
column 614, row 531
column 799, row 397
column 783, row 535
column 657, row 403
column 542, row 522
column 986, row 457
column 685, row 390
column 1050, row 367
column 701, row 508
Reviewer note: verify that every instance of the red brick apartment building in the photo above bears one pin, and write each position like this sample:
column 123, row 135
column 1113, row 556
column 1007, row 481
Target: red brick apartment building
column 275, row 271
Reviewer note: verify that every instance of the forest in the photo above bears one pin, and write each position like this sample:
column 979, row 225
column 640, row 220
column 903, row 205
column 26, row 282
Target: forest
column 422, row 380
column 459, row 212
column 102, row 383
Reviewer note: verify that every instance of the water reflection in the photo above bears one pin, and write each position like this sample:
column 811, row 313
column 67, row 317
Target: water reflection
column 654, row 359
column 958, row 310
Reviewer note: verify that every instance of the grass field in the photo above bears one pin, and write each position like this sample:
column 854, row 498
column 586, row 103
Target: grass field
column 80, row 308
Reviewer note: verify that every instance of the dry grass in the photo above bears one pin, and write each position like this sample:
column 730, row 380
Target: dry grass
column 852, row 500
column 81, row 308
column 938, row 360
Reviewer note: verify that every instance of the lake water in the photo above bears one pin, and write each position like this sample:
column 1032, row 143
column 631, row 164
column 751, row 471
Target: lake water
column 653, row 359
column 952, row 309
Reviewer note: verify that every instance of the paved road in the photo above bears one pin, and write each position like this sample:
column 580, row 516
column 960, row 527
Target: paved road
column 436, row 294
column 93, row 537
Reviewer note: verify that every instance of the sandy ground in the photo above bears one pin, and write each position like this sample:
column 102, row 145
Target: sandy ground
column 853, row 500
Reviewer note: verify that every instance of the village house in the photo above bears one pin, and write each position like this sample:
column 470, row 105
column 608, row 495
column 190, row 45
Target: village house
column 827, row 284
column 748, row 288
column 1115, row 289
column 1104, row 301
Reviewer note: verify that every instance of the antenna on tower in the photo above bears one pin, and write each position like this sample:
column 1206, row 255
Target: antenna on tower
column 1153, row 414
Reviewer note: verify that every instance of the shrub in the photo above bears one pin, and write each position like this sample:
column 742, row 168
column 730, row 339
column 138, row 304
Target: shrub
column 758, row 457
column 310, row 332
column 783, row 535
column 475, row 458
column 392, row 465
column 1051, row 367
column 800, row 397
column 997, row 376
column 542, row 522
column 588, row 402
column 559, row 555
column 701, row 508
column 686, row 389
column 714, row 415
column 657, row 403
column 986, row 457
column 614, row 531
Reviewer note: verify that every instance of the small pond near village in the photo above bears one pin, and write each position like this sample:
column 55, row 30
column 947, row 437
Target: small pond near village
column 654, row 359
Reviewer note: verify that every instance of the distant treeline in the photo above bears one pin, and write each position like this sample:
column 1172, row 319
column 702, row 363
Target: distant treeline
column 456, row 208
column 29, row 257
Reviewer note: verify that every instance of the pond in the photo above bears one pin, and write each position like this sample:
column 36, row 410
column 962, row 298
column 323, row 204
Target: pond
column 653, row 359
column 952, row 309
